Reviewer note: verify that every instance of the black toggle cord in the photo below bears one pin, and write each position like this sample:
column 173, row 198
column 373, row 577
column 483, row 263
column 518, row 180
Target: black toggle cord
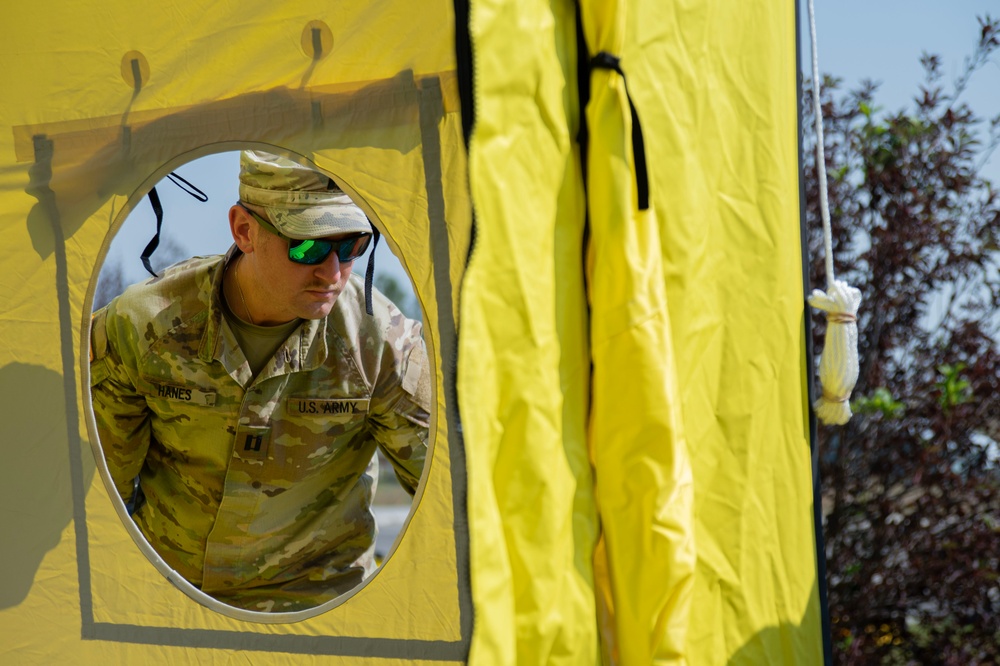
column 154, row 200
column 187, row 187
column 370, row 273
column 605, row 60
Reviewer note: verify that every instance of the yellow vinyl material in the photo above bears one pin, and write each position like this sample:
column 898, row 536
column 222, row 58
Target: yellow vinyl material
column 620, row 469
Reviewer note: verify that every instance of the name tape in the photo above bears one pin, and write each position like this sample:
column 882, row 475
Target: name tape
column 186, row 394
column 327, row 406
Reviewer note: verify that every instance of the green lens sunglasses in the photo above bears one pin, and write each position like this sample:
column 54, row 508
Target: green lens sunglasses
column 312, row 251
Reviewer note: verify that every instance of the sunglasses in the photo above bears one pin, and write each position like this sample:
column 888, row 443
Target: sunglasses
column 312, row 251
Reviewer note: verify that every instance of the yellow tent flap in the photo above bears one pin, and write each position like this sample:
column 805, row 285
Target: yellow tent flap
column 620, row 470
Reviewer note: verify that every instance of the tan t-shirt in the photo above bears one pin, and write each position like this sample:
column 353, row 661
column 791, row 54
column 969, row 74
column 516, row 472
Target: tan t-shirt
column 258, row 343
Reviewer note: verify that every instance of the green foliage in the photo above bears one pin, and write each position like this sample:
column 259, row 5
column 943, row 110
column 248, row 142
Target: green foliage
column 881, row 401
column 955, row 389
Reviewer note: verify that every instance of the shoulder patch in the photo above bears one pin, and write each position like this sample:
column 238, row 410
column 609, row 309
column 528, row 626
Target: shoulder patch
column 98, row 335
column 417, row 377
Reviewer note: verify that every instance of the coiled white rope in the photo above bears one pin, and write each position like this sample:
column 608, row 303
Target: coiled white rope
column 838, row 365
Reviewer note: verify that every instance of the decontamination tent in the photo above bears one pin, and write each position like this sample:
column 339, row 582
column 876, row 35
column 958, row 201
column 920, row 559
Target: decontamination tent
column 621, row 465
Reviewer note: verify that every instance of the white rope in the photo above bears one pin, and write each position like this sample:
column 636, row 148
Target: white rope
column 838, row 365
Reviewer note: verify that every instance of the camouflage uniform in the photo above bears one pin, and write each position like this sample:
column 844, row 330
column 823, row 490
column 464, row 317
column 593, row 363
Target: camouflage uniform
column 258, row 490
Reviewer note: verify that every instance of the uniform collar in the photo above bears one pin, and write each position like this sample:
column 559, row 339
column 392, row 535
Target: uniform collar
column 305, row 350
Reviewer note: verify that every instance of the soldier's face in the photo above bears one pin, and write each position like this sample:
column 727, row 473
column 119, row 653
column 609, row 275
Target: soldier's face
column 289, row 290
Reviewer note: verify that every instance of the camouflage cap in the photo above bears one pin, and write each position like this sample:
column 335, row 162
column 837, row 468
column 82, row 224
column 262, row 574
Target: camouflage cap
column 300, row 202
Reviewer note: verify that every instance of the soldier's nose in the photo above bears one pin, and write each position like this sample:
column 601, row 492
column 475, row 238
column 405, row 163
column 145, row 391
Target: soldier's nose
column 329, row 270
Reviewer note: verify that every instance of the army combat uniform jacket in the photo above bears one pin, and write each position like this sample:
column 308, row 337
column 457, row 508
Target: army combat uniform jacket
column 258, row 490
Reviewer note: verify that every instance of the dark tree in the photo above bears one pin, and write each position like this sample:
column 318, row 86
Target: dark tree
column 113, row 280
column 911, row 485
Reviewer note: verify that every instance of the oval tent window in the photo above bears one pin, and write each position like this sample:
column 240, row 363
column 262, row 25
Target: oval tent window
column 259, row 426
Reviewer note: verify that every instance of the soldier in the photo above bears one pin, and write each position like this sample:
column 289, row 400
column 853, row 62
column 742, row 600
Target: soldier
column 247, row 393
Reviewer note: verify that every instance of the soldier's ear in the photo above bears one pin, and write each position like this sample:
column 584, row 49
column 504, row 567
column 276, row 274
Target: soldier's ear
column 240, row 224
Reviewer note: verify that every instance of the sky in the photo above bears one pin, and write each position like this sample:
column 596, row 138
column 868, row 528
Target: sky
column 883, row 40
column 858, row 39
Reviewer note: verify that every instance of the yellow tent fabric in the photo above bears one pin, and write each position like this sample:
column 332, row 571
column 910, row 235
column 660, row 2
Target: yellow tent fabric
column 85, row 138
column 717, row 316
column 725, row 106
column 644, row 488
column 620, row 471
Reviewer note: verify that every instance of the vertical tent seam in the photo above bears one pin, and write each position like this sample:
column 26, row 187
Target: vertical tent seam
column 817, row 498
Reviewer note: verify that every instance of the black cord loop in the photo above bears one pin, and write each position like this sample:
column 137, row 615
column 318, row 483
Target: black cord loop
column 154, row 200
column 180, row 182
column 605, row 60
column 370, row 273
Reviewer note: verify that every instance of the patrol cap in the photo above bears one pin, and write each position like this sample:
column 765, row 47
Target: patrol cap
column 300, row 202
